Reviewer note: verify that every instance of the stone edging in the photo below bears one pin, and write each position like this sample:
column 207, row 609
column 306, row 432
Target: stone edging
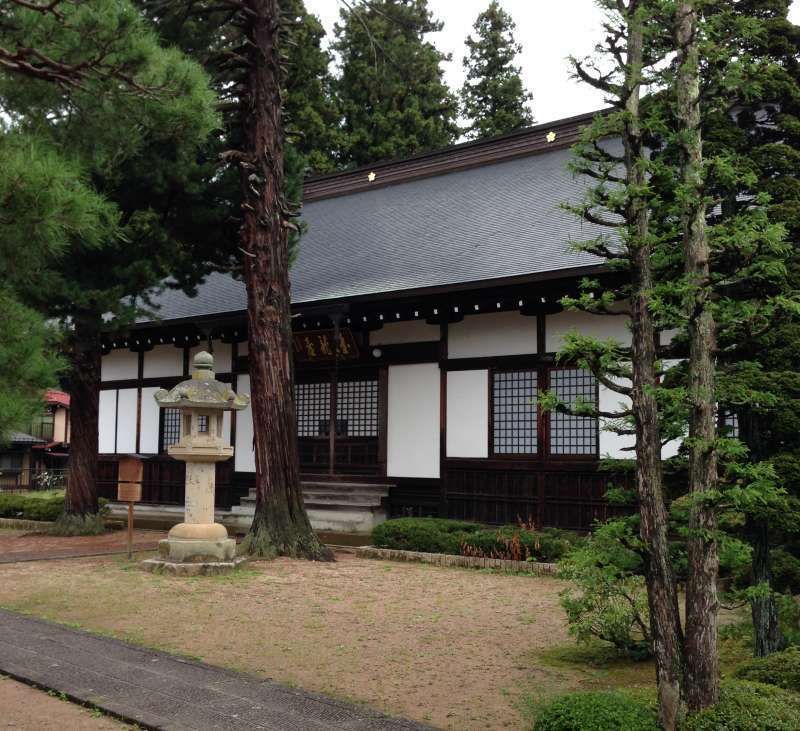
column 473, row 562
column 22, row 524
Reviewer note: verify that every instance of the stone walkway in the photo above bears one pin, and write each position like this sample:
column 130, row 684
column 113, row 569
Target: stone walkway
column 161, row 691
column 40, row 546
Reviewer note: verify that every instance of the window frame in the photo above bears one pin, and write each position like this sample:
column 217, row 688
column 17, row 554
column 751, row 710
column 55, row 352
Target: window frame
column 543, row 421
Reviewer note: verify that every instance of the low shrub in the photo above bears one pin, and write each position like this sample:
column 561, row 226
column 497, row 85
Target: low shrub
column 748, row 706
column 519, row 543
column 29, row 507
column 607, row 597
column 596, row 711
column 430, row 535
column 457, row 537
column 780, row 668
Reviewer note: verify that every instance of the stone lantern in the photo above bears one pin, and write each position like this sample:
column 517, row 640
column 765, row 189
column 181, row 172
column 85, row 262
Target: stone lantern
column 199, row 545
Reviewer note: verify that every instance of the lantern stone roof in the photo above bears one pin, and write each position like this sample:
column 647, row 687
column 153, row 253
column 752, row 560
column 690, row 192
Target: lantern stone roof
column 202, row 390
column 483, row 212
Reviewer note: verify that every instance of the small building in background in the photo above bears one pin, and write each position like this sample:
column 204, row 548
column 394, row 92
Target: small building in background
column 37, row 458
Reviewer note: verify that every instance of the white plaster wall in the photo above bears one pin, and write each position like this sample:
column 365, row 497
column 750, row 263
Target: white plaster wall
column 495, row 333
column 602, row 327
column 468, row 413
column 413, row 331
column 126, row 421
column 413, row 428
column 163, row 361
column 119, row 364
column 148, row 439
column 222, row 356
column 670, row 449
column 106, row 419
column 242, row 348
column 611, row 444
column 244, row 457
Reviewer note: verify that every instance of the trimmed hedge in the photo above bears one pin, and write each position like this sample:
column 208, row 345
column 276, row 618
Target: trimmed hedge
column 747, row 706
column 781, row 669
column 458, row 537
column 26, row 507
column 430, row 535
column 596, row 711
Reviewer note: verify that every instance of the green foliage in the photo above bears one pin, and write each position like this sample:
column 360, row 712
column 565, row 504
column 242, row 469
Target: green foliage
column 747, row 706
column 493, row 97
column 519, row 543
column 28, row 363
column 391, row 91
column 28, row 507
column 309, row 107
column 779, row 668
column 66, row 524
column 430, row 535
column 458, row 537
column 596, row 711
column 607, row 597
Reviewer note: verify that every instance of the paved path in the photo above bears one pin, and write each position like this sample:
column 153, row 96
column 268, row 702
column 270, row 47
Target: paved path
column 156, row 690
column 15, row 547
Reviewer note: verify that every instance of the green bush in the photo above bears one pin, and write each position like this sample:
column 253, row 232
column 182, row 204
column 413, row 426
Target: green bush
column 607, row 598
column 746, row 706
column 780, row 668
column 437, row 535
column 431, row 535
column 596, row 711
column 28, row 507
column 518, row 543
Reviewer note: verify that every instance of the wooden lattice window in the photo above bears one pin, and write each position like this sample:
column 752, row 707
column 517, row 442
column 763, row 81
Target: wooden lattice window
column 357, row 408
column 514, row 412
column 569, row 434
column 170, row 427
column 729, row 424
column 313, row 403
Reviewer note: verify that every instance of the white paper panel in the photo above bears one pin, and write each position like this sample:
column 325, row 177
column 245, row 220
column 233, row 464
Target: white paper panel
column 107, row 417
column 126, row 421
column 413, row 429
column 244, row 456
column 468, row 414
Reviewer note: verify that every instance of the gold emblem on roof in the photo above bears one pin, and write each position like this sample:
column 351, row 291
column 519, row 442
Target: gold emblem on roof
column 550, row 136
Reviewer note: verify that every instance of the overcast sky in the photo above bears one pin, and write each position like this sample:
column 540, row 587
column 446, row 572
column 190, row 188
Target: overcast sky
column 549, row 32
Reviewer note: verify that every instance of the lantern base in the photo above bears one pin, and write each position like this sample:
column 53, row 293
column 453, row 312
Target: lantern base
column 195, row 568
column 197, row 550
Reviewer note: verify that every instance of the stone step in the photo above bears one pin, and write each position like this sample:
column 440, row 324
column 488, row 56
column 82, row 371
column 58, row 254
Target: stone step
column 376, row 487
column 342, row 498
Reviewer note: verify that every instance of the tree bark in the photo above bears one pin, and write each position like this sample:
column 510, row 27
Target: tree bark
column 84, row 355
column 767, row 635
column 661, row 588
column 702, row 660
column 280, row 526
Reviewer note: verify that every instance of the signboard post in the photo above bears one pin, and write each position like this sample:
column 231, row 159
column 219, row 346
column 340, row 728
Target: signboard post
column 129, row 489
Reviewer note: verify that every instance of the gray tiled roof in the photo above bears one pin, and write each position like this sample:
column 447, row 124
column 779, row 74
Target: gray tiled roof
column 491, row 222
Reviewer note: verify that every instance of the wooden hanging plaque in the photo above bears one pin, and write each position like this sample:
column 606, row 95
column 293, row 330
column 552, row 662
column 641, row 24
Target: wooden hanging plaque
column 129, row 492
column 318, row 345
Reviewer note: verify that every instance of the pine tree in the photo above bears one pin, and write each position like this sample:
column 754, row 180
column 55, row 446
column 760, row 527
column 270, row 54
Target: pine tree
column 391, row 91
column 137, row 114
column 493, row 97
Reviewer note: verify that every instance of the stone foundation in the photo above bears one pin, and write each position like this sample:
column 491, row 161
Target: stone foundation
column 194, row 568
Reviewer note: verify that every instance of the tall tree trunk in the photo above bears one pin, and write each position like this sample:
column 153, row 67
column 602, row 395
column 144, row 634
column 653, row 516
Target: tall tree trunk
column 661, row 588
column 702, row 660
column 280, row 526
column 84, row 357
column 767, row 635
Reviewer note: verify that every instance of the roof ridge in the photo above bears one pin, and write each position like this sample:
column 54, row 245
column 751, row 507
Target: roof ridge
column 538, row 138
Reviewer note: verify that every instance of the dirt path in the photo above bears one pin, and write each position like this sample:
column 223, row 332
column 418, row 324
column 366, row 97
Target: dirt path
column 454, row 648
column 27, row 709
column 25, row 546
